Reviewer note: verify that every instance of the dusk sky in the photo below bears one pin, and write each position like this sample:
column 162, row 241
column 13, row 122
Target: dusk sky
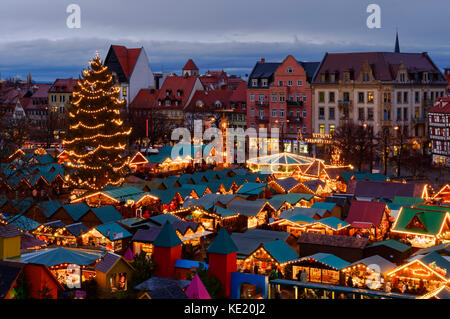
column 230, row 35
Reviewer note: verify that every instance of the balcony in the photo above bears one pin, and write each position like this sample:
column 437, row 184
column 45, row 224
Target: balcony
column 418, row 120
column 294, row 103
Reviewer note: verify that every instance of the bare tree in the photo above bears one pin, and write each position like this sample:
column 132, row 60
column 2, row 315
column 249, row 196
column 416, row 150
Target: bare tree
column 356, row 143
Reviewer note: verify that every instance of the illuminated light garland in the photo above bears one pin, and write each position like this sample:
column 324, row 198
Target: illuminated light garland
column 97, row 136
column 86, row 126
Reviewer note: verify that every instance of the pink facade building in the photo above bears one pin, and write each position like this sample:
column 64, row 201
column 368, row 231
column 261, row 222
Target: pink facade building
column 279, row 95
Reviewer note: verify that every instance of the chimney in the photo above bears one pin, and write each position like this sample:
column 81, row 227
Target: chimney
column 263, row 60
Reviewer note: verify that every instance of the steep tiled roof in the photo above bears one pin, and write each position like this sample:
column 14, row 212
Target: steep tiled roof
column 63, row 86
column 175, row 83
column 146, row 98
column 127, row 58
column 442, row 106
column 366, row 212
column 190, row 65
column 384, row 64
column 209, row 100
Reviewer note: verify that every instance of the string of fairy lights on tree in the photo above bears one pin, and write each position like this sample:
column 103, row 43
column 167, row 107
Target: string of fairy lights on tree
column 97, row 135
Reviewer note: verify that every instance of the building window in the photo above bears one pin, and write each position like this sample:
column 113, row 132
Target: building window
column 331, row 129
column 405, row 114
column 304, row 129
column 252, row 112
column 289, row 70
column 346, row 97
column 321, row 97
column 281, row 113
column 297, row 97
column 280, row 83
column 299, row 82
column 252, row 97
column 322, row 129
column 254, row 82
column 387, row 97
column 361, row 114
column 370, row 114
column 361, row 97
column 261, row 113
column 331, row 97
column 399, row 114
column 261, row 98
column 289, row 82
column 274, row 113
column 304, row 114
column 332, row 78
column 417, row 97
column 405, row 97
column 370, row 97
column 124, row 91
column 305, row 98
column 399, row 97
column 416, row 112
column 282, row 98
column 346, row 76
column 321, row 113
column 168, row 102
column 274, row 97
column 331, row 114
column 264, row 82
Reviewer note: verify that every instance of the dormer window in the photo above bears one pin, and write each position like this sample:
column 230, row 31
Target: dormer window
column 402, row 77
column 218, row 104
column 425, row 76
column 365, row 77
column 322, row 77
column 264, row 82
column 199, row 104
column 332, row 77
column 289, row 69
column 167, row 92
column 254, row 82
column 346, row 76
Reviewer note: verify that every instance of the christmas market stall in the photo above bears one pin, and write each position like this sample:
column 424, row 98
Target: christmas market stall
column 71, row 266
column 295, row 199
column 55, row 232
column 111, row 236
column 112, row 273
column 268, row 257
column 368, row 219
column 252, row 213
column 443, row 195
column 422, row 227
column 319, row 268
column 369, row 273
column 421, row 274
column 328, row 226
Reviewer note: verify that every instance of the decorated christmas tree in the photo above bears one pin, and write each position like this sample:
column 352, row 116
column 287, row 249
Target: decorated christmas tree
column 97, row 136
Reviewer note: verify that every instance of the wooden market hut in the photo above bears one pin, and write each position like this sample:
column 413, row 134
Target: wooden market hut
column 295, row 199
column 10, row 240
column 391, row 249
column 334, row 209
column 443, row 195
column 345, row 247
column 423, row 273
column 69, row 265
column 111, row 236
column 268, row 256
column 369, row 272
column 252, row 213
column 369, row 219
column 422, row 227
column 40, row 280
column 323, row 268
column 113, row 272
